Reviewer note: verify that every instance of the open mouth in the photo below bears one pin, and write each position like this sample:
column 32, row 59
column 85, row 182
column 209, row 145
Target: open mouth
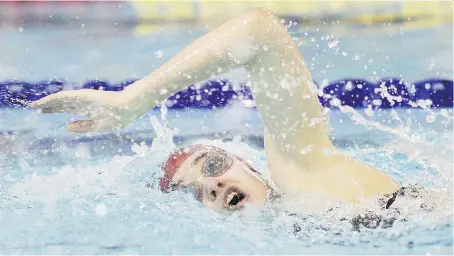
column 234, row 198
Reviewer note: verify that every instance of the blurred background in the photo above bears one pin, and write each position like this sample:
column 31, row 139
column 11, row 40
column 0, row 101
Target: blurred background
column 114, row 41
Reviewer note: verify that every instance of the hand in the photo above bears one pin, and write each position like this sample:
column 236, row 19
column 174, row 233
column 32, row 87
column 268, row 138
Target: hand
column 106, row 110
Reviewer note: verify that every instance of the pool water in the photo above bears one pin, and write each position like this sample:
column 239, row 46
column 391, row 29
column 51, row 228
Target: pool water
column 78, row 51
column 64, row 193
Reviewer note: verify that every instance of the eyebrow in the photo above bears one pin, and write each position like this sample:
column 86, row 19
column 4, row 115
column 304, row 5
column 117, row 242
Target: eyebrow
column 196, row 161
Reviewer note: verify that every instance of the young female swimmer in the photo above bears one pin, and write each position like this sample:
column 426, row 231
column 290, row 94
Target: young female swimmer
column 299, row 153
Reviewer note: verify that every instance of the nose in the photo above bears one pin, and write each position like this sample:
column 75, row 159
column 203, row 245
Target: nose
column 214, row 190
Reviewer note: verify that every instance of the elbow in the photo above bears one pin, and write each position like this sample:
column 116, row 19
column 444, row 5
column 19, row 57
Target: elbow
column 260, row 12
column 263, row 20
column 261, row 15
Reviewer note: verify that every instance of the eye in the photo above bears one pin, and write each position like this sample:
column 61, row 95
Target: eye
column 216, row 165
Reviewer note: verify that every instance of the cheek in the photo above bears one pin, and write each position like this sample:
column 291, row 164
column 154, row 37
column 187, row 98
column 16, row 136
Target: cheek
column 255, row 186
column 246, row 181
column 214, row 206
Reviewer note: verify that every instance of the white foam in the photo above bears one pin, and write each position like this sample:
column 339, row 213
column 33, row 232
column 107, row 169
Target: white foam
column 69, row 182
column 101, row 210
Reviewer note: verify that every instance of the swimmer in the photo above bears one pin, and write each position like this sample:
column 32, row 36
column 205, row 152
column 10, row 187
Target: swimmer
column 299, row 153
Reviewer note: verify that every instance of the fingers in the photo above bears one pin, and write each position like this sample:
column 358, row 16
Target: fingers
column 97, row 126
column 49, row 101
column 60, row 99
column 58, row 109
column 81, row 126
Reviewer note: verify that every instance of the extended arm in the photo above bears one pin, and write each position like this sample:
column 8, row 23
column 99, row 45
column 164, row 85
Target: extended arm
column 281, row 84
column 296, row 142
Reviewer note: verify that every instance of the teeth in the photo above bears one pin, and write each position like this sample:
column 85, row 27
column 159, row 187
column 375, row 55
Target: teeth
column 230, row 196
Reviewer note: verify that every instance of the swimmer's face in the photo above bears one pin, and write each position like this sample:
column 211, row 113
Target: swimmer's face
column 220, row 180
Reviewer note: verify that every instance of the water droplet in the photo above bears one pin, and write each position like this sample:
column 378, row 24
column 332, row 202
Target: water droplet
column 265, row 48
column 163, row 91
column 335, row 102
column 369, row 111
column 158, row 54
column 349, row 86
column 344, row 54
column 356, row 57
column 333, row 43
column 430, row 118
column 377, row 102
column 101, row 210
column 306, row 150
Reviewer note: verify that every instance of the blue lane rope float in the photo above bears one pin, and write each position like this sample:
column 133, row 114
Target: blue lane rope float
column 357, row 93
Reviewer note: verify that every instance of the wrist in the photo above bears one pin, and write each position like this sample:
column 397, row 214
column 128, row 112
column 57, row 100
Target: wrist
column 137, row 100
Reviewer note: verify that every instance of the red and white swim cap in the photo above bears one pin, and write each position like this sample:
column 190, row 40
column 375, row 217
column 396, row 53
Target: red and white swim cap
column 174, row 162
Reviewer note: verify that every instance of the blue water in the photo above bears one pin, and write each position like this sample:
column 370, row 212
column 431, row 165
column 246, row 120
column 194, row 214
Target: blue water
column 79, row 52
column 64, row 193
